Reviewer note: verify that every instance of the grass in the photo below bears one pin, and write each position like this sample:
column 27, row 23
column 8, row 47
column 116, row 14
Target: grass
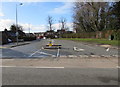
column 97, row 41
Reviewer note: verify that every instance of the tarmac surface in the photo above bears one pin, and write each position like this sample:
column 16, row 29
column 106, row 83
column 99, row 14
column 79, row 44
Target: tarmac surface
column 35, row 49
column 74, row 64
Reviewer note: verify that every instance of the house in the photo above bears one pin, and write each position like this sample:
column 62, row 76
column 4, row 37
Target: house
column 3, row 38
column 39, row 35
column 9, row 36
column 50, row 34
column 60, row 32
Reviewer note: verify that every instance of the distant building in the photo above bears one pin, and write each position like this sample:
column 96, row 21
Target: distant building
column 30, row 34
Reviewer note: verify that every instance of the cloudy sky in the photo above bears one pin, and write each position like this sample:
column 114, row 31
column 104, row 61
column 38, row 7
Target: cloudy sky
column 33, row 14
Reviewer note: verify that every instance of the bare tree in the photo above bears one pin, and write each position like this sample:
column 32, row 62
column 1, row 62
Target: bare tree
column 13, row 28
column 62, row 21
column 50, row 22
column 90, row 16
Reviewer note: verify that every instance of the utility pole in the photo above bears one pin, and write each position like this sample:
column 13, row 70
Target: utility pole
column 17, row 22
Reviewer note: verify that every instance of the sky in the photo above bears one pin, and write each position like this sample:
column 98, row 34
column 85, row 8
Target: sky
column 33, row 15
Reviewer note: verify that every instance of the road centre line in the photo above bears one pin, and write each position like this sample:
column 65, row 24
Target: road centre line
column 45, row 67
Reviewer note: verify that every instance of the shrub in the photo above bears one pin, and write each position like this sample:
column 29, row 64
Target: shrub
column 26, row 38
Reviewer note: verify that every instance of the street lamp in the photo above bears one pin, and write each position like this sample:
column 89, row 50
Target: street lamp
column 17, row 22
column 29, row 28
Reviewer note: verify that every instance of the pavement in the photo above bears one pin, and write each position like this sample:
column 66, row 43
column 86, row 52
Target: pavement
column 10, row 45
column 62, row 62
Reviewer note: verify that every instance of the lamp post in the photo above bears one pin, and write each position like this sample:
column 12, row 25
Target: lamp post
column 17, row 22
column 29, row 28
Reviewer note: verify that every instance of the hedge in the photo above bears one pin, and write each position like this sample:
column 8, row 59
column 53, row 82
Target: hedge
column 99, row 34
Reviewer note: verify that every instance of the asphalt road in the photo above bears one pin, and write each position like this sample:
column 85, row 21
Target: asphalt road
column 60, row 76
column 68, row 75
column 35, row 50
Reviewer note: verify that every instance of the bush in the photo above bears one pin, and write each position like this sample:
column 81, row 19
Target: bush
column 116, row 35
column 29, row 38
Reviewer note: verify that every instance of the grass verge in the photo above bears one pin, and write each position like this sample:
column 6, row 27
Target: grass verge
column 97, row 41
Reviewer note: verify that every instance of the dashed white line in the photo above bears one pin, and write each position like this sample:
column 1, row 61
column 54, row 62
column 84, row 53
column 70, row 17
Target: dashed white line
column 44, row 67
column 72, row 56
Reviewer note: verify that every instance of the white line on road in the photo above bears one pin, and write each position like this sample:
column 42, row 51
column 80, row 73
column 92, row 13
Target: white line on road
column 107, row 49
column 45, row 53
column 58, row 52
column 51, row 67
column 118, row 66
column 34, row 53
column 34, row 67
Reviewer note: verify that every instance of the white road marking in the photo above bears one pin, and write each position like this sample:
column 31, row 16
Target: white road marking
column 90, row 47
column 43, row 67
column 83, row 56
column 72, row 56
column 51, row 67
column 77, row 49
column 63, row 56
column 107, row 56
column 53, row 41
column 107, row 49
column 34, row 53
column 38, row 51
column 42, row 48
column 74, row 48
column 94, row 56
column 45, row 53
column 115, row 56
column 118, row 66
column 58, row 52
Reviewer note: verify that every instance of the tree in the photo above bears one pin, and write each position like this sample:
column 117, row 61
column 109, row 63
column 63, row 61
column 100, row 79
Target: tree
column 62, row 22
column 50, row 22
column 91, row 16
column 116, row 13
column 5, row 30
column 14, row 28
